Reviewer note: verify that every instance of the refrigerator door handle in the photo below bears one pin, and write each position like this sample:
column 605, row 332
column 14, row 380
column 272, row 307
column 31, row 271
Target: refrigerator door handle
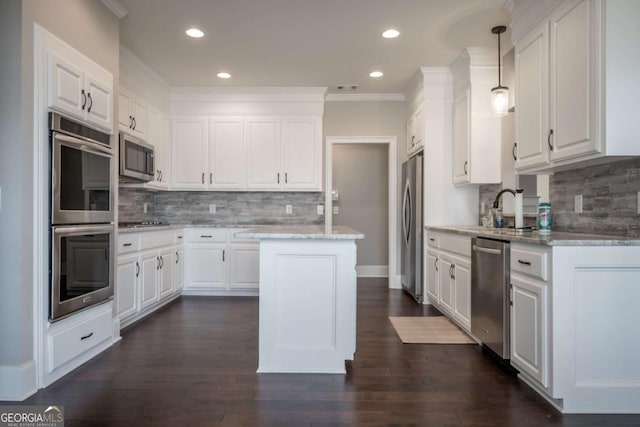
column 407, row 214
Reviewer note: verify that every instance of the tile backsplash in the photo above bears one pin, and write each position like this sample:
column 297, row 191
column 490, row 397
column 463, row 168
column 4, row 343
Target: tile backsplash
column 609, row 199
column 192, row 207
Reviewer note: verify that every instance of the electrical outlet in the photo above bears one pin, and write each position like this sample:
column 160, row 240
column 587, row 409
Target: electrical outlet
column 144, row 208
column 638, row 202
column 336, row 210
column 288, row 209
column 483, row 208
column 578, row 203
column 212, row 208
column 320, row 209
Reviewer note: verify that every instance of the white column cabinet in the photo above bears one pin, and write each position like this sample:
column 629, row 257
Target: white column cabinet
column 570, row 103
column 189, row 153
column 79, row 87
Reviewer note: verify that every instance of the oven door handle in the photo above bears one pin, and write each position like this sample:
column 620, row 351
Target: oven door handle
column 83, row 145
column 83, row 229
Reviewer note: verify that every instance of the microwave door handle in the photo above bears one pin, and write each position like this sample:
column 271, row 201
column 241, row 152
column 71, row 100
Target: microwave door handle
column 82, row 145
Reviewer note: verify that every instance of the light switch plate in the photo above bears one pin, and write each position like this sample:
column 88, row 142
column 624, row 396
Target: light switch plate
column 212, row 208
column 578, row 203
column 144, row 208
column 336, row 210
column 320, row 209
column 289, row 209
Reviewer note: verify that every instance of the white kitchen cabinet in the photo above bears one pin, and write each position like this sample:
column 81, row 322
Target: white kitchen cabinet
column 462, row 291
column 244, row 271
column 263, row 153
column 433, row 275
column 158, row 136
column 476, row 130
column 178, row 271
column 126, row 293
column 166, row 274
column 226, row 153
column 79, row 87
column 189, row 153
column 301, row 163
column 206, row 266
column 132, row 113
column 149, row 266
column 575, row 84
column 447, row 284
column 415, row 130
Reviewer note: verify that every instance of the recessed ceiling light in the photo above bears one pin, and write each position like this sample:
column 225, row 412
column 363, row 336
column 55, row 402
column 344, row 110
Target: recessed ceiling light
column 376, row 74
column 391, row 33
column 224, row 75
column 195, row 33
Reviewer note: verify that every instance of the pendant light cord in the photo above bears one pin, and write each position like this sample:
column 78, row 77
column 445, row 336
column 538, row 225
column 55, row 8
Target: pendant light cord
column 499, row 74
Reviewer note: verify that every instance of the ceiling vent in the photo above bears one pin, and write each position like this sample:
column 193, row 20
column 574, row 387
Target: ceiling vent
column 347, row 87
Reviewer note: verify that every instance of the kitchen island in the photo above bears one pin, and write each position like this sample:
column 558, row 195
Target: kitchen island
column 307, row 319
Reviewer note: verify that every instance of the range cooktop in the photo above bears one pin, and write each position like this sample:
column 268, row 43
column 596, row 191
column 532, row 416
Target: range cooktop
column 141, row 224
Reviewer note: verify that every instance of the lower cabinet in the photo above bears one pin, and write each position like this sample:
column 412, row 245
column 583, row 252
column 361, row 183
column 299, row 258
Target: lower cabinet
column 149, row 272
column 218, row 262
column 448, row 277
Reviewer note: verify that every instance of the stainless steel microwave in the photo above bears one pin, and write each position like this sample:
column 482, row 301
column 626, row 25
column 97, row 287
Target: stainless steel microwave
column 136, row 159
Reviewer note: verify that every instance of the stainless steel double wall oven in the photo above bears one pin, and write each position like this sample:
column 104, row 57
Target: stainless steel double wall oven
column 81, row 217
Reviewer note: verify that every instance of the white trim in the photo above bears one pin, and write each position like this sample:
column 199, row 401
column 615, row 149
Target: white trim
column 220, row 293
column 18, row 382
column 336, row 97
column 372, row 270
column 116, row 8
column 391, row 142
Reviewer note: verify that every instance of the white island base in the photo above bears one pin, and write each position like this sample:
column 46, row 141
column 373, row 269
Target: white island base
column 307, row 321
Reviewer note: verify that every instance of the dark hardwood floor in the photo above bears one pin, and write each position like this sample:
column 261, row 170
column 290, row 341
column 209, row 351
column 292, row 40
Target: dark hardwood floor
column 193, row 363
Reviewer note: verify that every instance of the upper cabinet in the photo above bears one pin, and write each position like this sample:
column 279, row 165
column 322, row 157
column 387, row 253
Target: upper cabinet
column 261, row 153
column 415, row 130
column 158, row 135
column 132, row 113
column 476, row 130
column 576, row 83
column 79, row 87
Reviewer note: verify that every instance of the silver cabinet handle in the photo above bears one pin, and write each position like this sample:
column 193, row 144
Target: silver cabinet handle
column 487, row 250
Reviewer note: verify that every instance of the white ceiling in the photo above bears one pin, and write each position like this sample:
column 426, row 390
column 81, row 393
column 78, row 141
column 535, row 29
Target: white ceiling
column 306, row 42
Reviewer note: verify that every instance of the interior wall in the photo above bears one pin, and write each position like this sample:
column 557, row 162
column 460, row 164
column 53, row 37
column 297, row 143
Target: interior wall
column 91, row 28
column 360, row 175
column 370, row 118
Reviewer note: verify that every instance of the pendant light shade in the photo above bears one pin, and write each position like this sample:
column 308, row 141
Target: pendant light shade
column 500, row 94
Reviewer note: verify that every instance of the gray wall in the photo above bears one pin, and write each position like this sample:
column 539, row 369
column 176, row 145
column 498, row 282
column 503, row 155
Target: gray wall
column 240, row 208
column 609, row 199
column 370, row 118
column 92, row 29
column 360, row 174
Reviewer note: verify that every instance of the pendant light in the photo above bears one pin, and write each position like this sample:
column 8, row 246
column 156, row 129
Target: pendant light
column 500, row 94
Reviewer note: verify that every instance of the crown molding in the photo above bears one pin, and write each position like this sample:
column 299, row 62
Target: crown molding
column 339, row 97
column 116, row 8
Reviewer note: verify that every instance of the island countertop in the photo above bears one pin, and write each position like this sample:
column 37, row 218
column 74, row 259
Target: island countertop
column 316, row 232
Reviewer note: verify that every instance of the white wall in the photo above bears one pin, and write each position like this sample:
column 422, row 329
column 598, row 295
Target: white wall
column 370, row 118
column 93, row 30
column 360, row 174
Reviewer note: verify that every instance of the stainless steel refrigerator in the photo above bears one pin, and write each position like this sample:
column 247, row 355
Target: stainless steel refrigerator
column 412, row 230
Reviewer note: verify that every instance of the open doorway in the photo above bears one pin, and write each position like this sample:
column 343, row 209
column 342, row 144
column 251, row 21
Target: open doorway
column 363, row 173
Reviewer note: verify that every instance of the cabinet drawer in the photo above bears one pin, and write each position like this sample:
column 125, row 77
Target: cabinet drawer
column 529, row 261
column 455, row 244
column 155, row 240
column 71, row 342
column 205, row 235
column 128, row 243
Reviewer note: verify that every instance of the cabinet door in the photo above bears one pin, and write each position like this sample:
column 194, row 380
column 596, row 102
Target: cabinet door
column 178, row 270
column 418, row 127
column 167, row 264
column 244, row 272
column 301, row 153
column 461, row 117
column 99, row 102
column 529, row 327
column 262, row 137
column 226, row 154
column 446, row 284
column 189, row 148
column 125, row 120
column 573, row 84
column 433, row 276
column 126, row 294
column 462, row 293
column 139, row 113
column 158, row 136
column 206, row 266
column 150, row 265
column 65, row 86
column 532, row 92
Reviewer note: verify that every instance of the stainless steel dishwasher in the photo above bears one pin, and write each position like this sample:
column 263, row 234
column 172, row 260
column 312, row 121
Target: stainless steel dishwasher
column 490, row 294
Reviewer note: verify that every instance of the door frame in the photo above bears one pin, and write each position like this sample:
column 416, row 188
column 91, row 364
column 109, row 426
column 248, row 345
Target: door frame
column 392, row 156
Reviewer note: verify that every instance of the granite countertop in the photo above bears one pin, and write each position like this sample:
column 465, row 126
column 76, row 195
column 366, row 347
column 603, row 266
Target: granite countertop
column 556, row 238
column 318, row 232
column 139, row 229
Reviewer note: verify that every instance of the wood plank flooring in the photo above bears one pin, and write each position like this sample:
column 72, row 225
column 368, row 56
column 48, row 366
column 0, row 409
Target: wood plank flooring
column 193, row 363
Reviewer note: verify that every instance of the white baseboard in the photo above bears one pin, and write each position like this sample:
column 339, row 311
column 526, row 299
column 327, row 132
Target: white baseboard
column 372, row 270
column 18, row 382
